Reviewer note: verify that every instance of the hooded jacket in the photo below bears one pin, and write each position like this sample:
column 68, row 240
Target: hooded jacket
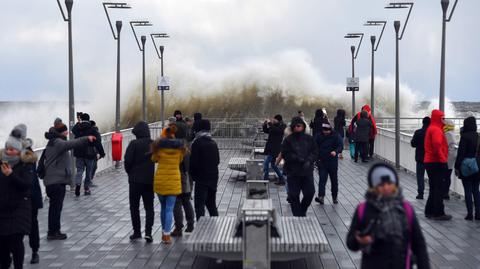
column 328, row 143
column 364, row 128
column 204, row 160
column 168, row 153
column 418, row 142
column 467, row 148
column 436, row 147
column 138, row 163
column 89, row 152
column 318, row 121
column 340, row 123
column 275, row 137
column 374, row 131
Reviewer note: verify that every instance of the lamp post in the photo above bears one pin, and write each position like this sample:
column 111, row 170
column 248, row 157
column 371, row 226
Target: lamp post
column 354, row 56
column 445, row 4
column 143, row 39
column 160, row 56
column 374, row 48
column 398, row 37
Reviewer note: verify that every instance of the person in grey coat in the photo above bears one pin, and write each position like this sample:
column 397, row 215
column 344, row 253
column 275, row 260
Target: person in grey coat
column 362, row 135
column 449, row 130
column 57, row 164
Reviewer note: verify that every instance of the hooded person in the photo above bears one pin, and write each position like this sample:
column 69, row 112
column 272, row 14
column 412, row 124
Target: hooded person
column 436, row 159
column 418, row 142
column 140, row 170
column 449, row 130
column 197, row 117
column 317, row 122
column 373, row 133
column 275, row 130
column 385, row 227
column 362, row 135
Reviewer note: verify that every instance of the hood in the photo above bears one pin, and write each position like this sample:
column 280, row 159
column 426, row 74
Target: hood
column 319, row 114
column 367, row 108
column 165, row 143
column 437, row 118
column 84, row 125
column 298, row 120
column 52, row 134
column 341, row 113
column 470, row 124
column 364, row 114
column 141, row 130
column 197, row 116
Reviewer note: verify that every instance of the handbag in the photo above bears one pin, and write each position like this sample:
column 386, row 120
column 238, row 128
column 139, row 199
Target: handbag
column 469, row 166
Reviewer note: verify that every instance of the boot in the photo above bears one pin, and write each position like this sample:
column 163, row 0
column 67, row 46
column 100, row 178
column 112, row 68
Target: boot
column 189, row 228
column 177, row 232
column 87, row 191
column 35, row 258
column 166, row 239
column 135, row 236
column 56, row 236
column 148, row 236
column 320, row 200
column 77, row 190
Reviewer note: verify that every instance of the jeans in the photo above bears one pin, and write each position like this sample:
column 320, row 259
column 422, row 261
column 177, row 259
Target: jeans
column 56, row 193
column 144, row 191
column 420, row 178
column 167, row 203
column 34, row 237
column 11, row 246
column 436, row 174
column 183, row 200
column 471, row 188
column 297, row 185
column 205, row 196
column 325, row 169
column 270, row 160
column 361, row 148
column 87, row 166
column 446, row 183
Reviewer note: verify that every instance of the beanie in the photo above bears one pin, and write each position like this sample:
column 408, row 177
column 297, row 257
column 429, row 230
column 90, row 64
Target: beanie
column 204, row 125
column 278, row 117
column 14, row 140
column 177, row 112
column 61, row 128
column 382, row 173
column 57, row 122
column 297, row 120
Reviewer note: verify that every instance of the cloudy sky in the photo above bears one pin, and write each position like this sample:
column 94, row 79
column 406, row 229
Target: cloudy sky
column 217, row 40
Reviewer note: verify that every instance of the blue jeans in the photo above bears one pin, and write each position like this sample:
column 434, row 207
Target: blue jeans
column 87, row 166
column 420, row 178
column 471, row 188
column 167, row 203
column 270, row 160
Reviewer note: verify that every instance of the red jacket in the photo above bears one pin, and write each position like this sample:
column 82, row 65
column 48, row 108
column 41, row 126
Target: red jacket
column 374, row 131
column 436, row 146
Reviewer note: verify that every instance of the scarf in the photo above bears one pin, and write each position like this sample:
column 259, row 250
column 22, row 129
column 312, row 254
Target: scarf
column 202, row 134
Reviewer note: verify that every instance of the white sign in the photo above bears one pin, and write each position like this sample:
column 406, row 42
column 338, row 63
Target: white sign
column 353, row 84
column 163, row 83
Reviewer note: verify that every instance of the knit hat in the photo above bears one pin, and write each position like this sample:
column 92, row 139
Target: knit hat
column 14, row 140
column 204, row 125
column 61, row 128
column 278, row 117
column 382, row 173
column 297, row 120
column 197, row 116
column 177, row 112
column 172, row 120
column 57, row 122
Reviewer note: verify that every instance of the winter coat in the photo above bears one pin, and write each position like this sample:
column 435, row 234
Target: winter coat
column 89, row 152
column 436, row 146
column 328, row 143
column 467, row 148
column 388, row 249
column 318, row 121
column 58, row 162
column 452, row 148
column 364, row 128
column 374, row 130
column 138, row 163
column 339, row 125
column 418, row 142
column 275, row 137
column 15, row 196
column 182, row 129
column 168, row 153
column 37, row 198
column 204, row 160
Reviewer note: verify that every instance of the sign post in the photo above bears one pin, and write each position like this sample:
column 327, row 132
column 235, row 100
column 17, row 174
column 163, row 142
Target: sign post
column 353, row 84
column 163, row 85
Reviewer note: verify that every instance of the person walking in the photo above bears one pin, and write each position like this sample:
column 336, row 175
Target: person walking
column 299, row 152
column 275, row 129
column 339, row 124
column 362, row 134
column 140, row 170
column 329, row 147
column 468, row 152
column 204, row 161
column 418, row 142
column 317, row 122
column 452, row 155
column 168, row 152
column 436, row 158
column 385, row 227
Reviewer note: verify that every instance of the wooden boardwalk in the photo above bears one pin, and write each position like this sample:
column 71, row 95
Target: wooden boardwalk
column 99, row 225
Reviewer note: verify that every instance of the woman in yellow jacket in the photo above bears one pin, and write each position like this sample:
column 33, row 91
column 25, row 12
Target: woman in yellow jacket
column 168, row 152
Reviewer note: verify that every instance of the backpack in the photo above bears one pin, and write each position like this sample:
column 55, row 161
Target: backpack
column 469, row 166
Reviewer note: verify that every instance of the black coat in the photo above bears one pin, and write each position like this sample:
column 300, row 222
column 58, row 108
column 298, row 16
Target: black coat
column 339, row 125
column 467, row 148
column 138, row 163
column 362, row 132
column 418, row 142
column 300, row 152
column 275, row 137
column 328, row 143
column 83, row 129
column 204, row 161
column 37, row 198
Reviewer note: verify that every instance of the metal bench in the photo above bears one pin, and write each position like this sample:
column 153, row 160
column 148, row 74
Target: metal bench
column 238, row 164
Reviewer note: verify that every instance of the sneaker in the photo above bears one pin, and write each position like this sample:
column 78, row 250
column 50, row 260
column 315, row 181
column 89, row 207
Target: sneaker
column 166, row 239
column 87, row 192
column 77, row 190
column 335, row 200
column 319, row 200
column 469, row 217
column 35, row 258
column 189, row 228
column 135, row 236
column 56, row 236
column 280, row 183
column 443, row 217
column 419, row 197
column 176, row 232
column 148, row 238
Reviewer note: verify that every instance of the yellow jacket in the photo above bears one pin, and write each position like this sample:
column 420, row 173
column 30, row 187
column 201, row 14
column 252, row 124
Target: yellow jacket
column 168, row 153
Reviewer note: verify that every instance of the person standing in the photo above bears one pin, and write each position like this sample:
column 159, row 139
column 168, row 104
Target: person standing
column 362, row 134
column 373, row 132
column 204, row 161
column 317, row 122
column 299, row 152
column 274, row 129
column 418, row 142
column 469, row 149
column 340, row 123
column 301, row 114
column 436, row 158
column 452, row 155
column 140, row 170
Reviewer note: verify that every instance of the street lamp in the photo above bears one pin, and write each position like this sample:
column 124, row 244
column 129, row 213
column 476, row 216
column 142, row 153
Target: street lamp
column 143, row 38
column 398, row 37
column 118, row 25
column 374, row 48
column 354, row 56
column 160, row 56
column 445, row 4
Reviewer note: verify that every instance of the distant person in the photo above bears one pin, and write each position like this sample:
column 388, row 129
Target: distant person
column 197, row 117
column 189, row 123
column 330, row 145
column 275, row 129
column 385, row 227
column 418, row 142
column 181, row 124
column 362, row 134
column 317, row 122
column 300, row 152
column 452, row 155
column 301, row 114
column 436, row 158
column 339, row 126
column 373, row 133
column 95, row 161
column 140, row 170
column 469, row 152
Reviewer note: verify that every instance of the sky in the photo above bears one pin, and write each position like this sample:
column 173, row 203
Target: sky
column 214, row 41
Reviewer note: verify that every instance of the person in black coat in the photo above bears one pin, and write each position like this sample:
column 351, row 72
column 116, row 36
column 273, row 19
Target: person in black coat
column 385, row 227
column 362, row 136
column 140, row 170
column 469, row 148
column 299, row 152
column 275, row 130
column 317, row 122
column 418, row 142
column 204, row 161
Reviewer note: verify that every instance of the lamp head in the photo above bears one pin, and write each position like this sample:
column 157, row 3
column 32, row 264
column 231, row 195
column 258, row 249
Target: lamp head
column 143, row 39
column 352, row 48
column 118, row 24
column 69, row 4
column 445, row 4
column 162, row 48
column 396, row 24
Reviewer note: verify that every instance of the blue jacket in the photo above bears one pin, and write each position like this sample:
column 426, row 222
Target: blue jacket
column 328, row 143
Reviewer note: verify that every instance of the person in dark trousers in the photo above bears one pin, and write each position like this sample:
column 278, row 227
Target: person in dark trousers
column 435, row 160
column 95, row 161
column 274, row 129
column 197, row 117
column 330, row 145
column 418, row 142
column 86, row 156
column 373, row 133
column 362, row 135
column 385, row 227
column 140, row 170
column 57, row 165
column 299, row 152
column 339, row 124
column 469, row 147
column 204, row 161
column 181, row 125
column 317, row 122
column 16, row 176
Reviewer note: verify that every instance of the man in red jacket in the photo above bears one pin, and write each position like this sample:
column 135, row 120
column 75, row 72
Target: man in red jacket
column 435, row 160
